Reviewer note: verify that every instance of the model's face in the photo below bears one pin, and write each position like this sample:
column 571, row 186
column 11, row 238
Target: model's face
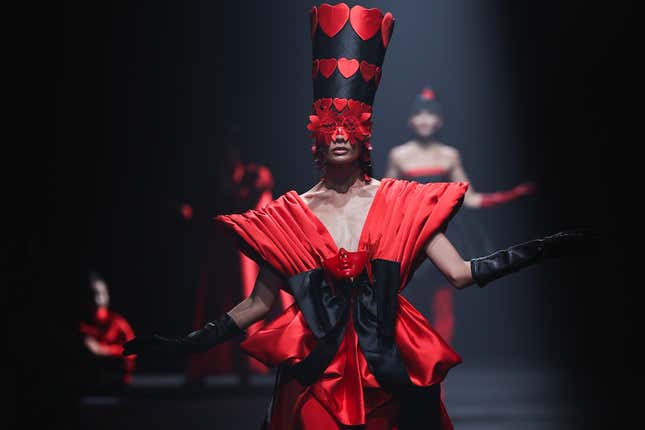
column 425, row 124
column 101, row 295
column 340, row 151
column 338, row 123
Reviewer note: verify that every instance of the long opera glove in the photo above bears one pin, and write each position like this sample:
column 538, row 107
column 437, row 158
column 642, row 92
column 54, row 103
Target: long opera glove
column 501, row 263
column 213, row 333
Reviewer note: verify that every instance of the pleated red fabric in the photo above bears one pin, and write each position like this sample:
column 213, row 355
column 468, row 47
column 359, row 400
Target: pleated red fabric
column 288, row 236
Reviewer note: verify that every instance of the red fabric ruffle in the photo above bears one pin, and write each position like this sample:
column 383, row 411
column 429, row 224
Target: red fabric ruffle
column 287, row 235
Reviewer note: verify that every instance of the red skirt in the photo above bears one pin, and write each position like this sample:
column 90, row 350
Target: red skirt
column 295, row 407
column 347, row 394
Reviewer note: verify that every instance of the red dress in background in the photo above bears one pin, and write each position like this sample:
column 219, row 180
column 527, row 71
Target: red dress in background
column 287, row 235
column 228, row 276
column 261, row 183
column 110, row 330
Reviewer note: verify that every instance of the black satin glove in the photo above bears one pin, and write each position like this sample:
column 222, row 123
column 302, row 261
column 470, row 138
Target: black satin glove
column 501, row 263
column 213, row 333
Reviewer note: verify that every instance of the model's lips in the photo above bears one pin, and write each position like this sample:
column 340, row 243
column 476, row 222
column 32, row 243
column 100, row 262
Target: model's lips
column 340, row 151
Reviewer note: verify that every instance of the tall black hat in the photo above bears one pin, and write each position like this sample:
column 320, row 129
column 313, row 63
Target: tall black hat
column 348, row 50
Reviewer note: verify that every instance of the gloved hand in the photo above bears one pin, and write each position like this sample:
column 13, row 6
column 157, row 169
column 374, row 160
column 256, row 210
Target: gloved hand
column 213, row 333
column 568, row 242
column 155, row 344
column 501, row 263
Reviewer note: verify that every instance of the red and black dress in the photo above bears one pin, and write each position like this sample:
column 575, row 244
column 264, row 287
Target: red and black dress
column 351, row 350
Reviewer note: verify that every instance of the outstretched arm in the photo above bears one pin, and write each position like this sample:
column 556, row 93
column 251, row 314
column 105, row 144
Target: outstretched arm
column 486, row 269
column 474, row 199
column 255, row 307
column 449, row 262
column 228, row 326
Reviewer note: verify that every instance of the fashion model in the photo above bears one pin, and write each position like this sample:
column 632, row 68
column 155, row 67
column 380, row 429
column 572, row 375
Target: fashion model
column 426, row 158
column 351, row 351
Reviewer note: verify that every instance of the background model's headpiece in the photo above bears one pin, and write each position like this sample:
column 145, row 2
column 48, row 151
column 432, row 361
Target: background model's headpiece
column 348, row 49
column 426, row 100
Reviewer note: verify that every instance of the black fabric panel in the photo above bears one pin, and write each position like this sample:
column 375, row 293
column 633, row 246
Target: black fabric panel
column 337, row 86
column 311, row 367
column 348, row 44
column 374, row 308
column 388, row 279
column 321, row 308
column 380, row 350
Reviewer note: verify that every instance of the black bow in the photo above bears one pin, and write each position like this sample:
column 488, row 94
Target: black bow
column 326, row 310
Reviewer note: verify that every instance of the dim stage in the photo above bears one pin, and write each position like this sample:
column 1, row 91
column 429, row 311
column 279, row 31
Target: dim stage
column 478, row 397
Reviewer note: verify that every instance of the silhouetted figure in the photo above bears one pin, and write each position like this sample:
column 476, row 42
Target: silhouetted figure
column 104, row 332
column 425, row 159
column 244, row 186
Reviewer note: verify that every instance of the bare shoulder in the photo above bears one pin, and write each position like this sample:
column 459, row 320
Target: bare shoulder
column 400, row 151
column 373, row 183
column 312, row 192
column 448, row 151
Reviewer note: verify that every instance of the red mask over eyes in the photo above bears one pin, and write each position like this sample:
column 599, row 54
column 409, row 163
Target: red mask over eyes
column 340, row 118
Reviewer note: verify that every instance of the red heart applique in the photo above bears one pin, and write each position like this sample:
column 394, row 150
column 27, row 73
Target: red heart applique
column 340, row 104
column 367, row 70
column 365, row 22
column 347, row 67
column 332, row 18
column 314, row 20
column 314, row 69
column 354, row 106
column 377, row 76
column 321, row 105
column 387, row 25
column 327, row 66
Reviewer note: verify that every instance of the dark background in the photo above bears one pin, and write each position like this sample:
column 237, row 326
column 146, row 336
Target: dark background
column 146, row 94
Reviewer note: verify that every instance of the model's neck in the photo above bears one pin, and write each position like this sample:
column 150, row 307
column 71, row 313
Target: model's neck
column 427, row 140
column 341, row 178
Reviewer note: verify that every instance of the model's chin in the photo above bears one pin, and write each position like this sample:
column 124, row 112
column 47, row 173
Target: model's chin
column 424, row 134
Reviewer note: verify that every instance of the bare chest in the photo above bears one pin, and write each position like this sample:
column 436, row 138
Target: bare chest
column 423, row 158
column 343, row 215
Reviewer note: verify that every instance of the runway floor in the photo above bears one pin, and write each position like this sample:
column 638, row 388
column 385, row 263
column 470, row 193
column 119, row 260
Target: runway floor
column 478, row 397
